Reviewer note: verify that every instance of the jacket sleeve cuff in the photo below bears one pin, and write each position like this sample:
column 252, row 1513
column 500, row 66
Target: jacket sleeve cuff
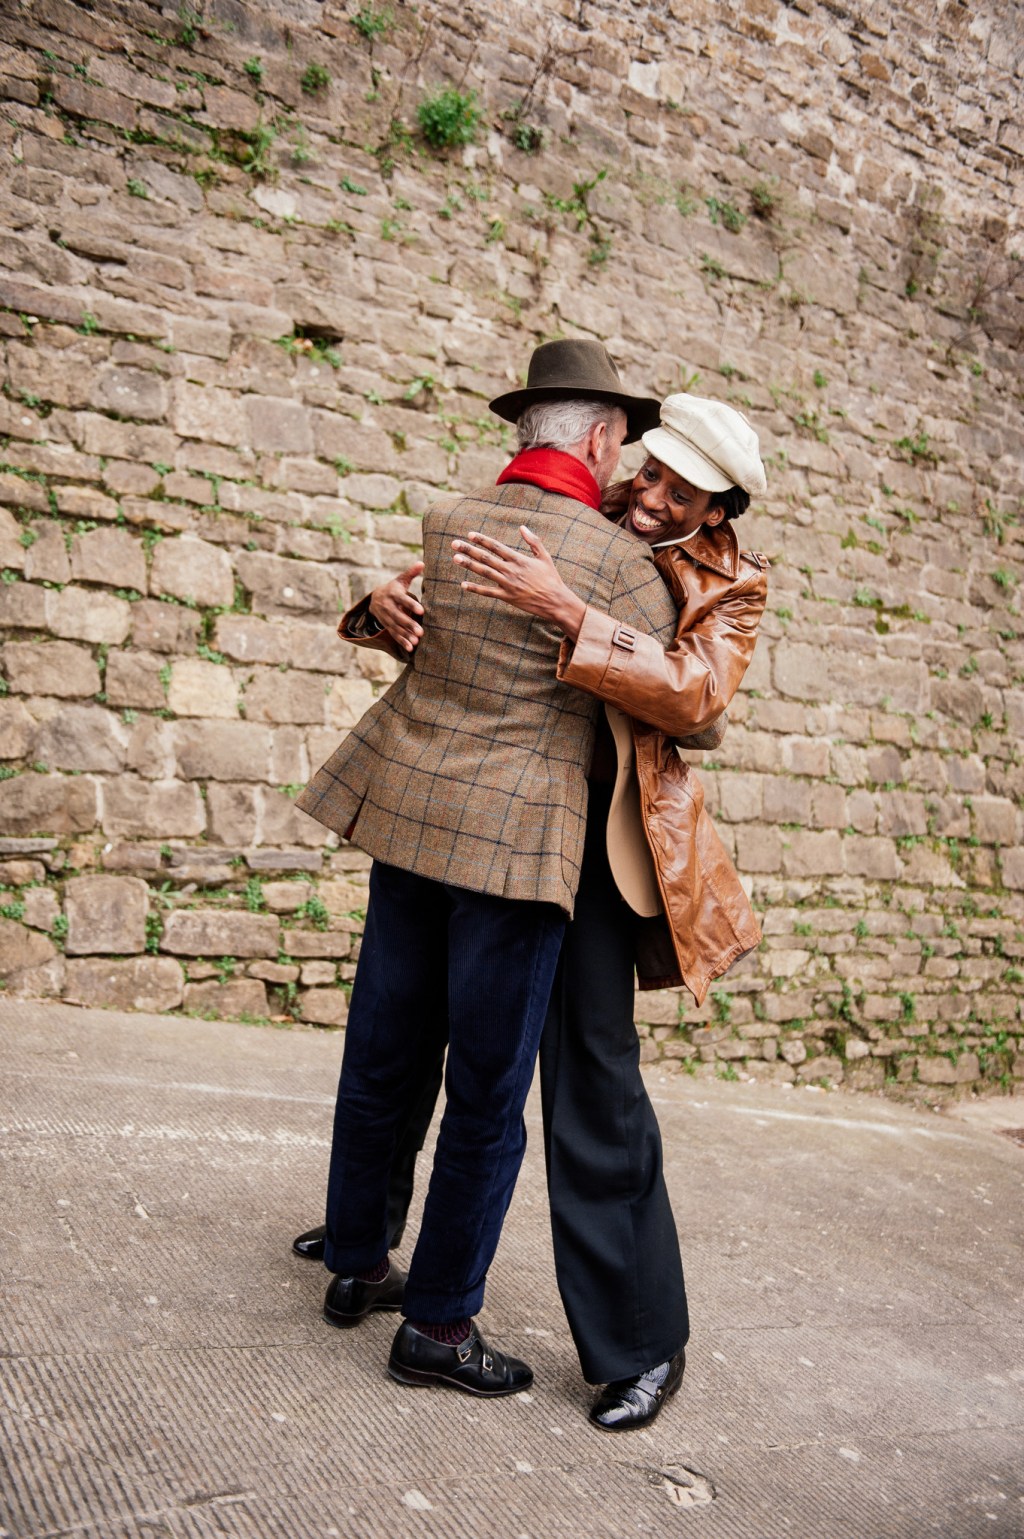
column 600, row 653
column 360, row 627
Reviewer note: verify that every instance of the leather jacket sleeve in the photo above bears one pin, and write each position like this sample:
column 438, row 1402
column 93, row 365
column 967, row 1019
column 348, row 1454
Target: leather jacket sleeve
column 679, row 689
column 359, row 626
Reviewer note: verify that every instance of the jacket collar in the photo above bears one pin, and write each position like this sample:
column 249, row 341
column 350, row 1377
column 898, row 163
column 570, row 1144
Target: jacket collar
column 717, row 548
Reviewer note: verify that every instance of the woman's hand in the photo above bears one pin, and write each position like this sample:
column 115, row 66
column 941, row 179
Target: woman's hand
column 530, row 583
column 395, row 608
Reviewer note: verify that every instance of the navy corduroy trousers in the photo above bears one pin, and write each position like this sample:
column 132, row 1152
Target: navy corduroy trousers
column 438, row 959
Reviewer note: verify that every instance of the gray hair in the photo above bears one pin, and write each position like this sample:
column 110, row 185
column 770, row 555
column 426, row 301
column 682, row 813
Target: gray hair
column 561, row 424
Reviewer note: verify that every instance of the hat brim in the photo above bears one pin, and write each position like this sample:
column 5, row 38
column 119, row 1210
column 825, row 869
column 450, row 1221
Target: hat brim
column 642, row 412
column 685, row 460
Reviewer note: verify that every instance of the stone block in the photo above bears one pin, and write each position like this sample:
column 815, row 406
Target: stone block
column 133, row 679
column 221, row 750
column 1012, row 866
column 323, row 1007
column 825, row 1066
column 250, row 640
column 17, row 729
column 793, row 1050
column 208, row 414
column 47, row 559
column 149, row 751
column 106, row 914
column 316, row 943
column 81, row 737
column 47, row 804
column 936, row 1071
column 219, row 932
column 659, row 1007
column 273, row 972
column 200, row 688
column 289, row 763
column 285, row 897
column 40, row 908
column 83, row 614
column 152, row 809
column 188, row 568
column 995, row 820
column 279, row 425
column 22, row 607
column 758, row 849
column 346, row 701
column 228, row 1001
column 111, row 556
column 280, row 586
column 126, row 392
column 233, row 813
column 86, row 501
column 786, row 801
column 290, row 696
column 22, row 949
column 143, row 983
column 164, row 627
column 284, row 859
column 800, row 671
column 813, row 854
column 42, row 982
column 12, row 552
column 874, row 858
column 50, row 668
column 318, row 974
column 770, row 1073
column 282, row 823
column 18, row 873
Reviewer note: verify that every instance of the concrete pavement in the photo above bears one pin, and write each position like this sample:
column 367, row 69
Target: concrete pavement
column 854, row 1267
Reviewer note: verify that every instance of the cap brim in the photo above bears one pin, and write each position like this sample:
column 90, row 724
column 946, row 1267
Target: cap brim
column 685, row 461
column 642, row 412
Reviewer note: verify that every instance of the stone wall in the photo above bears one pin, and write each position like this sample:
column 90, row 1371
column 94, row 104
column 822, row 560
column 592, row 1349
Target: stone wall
column 251, row 320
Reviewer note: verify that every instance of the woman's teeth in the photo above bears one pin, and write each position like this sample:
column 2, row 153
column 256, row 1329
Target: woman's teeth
column 644, row 521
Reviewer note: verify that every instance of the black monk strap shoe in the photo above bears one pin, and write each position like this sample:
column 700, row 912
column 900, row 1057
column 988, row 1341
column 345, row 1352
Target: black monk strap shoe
column 472, row 1366
column 311, row 1244
column 629, row 1404
column 350, row 1299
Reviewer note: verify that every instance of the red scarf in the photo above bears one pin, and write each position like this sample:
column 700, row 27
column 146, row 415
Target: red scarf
column 554, row 471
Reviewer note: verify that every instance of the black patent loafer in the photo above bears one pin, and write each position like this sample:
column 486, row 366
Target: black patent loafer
column 472, row 1366
column 311, row 1244
column 349, row 1299
column 629, row 1404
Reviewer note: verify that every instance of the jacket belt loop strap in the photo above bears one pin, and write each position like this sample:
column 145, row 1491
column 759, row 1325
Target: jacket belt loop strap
column 624, row 638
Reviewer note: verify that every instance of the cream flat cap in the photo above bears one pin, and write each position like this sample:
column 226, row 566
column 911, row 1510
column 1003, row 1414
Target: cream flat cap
column 709, row 444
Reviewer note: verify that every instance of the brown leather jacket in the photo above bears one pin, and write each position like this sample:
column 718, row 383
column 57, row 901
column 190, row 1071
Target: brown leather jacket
column 694, row 919
column 676, row 870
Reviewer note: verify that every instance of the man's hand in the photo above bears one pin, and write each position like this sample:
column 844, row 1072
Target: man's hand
column 395, row 608
column 530, row 583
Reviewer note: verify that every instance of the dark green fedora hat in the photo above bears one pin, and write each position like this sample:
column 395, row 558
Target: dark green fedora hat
column 576, row 368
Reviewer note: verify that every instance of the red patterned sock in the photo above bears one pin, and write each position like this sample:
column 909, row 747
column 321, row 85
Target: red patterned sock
column 451, row 1334
column 373, row 1274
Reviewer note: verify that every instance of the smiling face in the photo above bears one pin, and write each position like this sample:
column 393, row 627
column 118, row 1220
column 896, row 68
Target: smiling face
column 664, row 506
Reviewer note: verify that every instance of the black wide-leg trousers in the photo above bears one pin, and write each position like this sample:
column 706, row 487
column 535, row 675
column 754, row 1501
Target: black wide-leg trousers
column 617, row 1258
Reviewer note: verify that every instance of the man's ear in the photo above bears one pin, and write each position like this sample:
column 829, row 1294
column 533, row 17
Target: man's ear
column 714, row 515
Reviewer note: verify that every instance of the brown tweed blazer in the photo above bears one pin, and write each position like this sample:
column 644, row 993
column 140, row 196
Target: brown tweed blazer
column 471, row 769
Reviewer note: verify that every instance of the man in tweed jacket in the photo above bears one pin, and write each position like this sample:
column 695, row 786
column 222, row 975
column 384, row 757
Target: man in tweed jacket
column 466, row 783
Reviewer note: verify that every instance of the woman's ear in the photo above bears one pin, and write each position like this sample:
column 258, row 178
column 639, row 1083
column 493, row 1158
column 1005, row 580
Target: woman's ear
column 714, row 515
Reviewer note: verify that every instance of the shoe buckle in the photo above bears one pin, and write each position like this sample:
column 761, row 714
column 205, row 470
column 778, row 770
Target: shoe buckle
column 464, row 1352
column 488, row 1362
